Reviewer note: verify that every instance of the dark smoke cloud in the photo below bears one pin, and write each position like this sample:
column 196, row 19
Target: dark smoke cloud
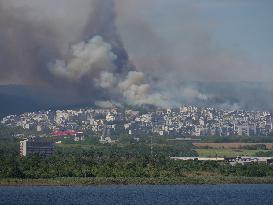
column 102, row 22
column 33, row 34
column 24, row 48
column 69, row 46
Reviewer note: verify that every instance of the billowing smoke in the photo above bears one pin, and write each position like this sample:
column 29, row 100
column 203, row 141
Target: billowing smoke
column 106, row 80
column 136, row 91
column 79, row 51
column 87, row 59
column 66, row 45
column 184, row 57
column 94, row 61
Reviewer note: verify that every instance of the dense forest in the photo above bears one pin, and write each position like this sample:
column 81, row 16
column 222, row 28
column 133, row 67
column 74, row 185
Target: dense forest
column 113, row 161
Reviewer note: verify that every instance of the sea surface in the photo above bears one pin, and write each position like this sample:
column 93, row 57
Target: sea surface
column 192, row 194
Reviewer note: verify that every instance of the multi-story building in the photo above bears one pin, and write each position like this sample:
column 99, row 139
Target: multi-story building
column 29, row 147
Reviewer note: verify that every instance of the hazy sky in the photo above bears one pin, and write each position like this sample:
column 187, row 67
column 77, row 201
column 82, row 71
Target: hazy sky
column 243, row 25
column 239, row 32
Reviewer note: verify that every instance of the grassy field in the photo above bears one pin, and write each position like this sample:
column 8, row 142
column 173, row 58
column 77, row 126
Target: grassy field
column 226, row 152
column 136, row 181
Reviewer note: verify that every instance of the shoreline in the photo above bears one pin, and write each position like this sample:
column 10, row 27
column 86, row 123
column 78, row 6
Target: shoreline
column 197, row 180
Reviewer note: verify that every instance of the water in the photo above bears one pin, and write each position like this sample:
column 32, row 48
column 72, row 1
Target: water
column 203, row 194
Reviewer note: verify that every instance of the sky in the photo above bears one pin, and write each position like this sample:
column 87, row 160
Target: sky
column 141, row 51
column 239, row 29
column 250, row 22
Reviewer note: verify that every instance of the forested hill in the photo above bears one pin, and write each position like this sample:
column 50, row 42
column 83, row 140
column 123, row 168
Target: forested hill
column 17, row 99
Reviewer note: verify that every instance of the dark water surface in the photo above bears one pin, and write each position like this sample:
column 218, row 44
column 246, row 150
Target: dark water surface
column 200, row 194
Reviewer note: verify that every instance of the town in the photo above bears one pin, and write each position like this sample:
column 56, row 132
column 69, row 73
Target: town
column 109, row 123
column 99, row 142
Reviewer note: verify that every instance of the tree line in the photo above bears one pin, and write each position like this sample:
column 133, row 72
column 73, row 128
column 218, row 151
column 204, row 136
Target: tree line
column 114, row 161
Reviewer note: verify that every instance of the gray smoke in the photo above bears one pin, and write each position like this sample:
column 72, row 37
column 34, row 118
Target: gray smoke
column 80, row 48
column 71, row 46
column 183, row 60
column 136, row 91
column 35, row 32
column 87, row 59
column 94, row 60
column 60, row 44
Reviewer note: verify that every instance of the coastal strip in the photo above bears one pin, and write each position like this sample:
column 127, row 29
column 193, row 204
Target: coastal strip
column 195, row 180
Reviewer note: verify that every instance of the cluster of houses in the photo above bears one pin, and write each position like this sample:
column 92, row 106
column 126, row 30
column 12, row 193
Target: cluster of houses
column 184, row 121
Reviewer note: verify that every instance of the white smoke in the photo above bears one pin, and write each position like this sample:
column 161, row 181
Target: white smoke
column 87, row 59
column 106, row 80
column 132, row 79
column 95, row 59
column 136, row 91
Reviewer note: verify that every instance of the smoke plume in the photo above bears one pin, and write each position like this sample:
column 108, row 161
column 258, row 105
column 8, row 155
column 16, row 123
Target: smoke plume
column 136, row 91
column 64, row 45
column 119, row 51
column 87, row 59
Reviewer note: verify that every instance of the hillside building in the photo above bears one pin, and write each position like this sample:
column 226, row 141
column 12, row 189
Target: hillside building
column 29, row 147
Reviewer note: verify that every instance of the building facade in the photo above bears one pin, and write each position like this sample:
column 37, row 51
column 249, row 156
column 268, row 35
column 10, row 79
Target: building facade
column 28, row 147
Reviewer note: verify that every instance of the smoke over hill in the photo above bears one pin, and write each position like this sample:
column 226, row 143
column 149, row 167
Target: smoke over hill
column 76, row 50
column 53, row 45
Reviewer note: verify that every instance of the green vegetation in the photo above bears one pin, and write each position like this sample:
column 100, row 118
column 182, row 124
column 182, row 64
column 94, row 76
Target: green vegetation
column 89, row 165
column 6, row 133
column 130, row 150
column 132, row 162
column 265, row 154
column 127, row 162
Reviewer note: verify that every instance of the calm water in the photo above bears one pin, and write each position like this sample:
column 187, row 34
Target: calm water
column 203, row 194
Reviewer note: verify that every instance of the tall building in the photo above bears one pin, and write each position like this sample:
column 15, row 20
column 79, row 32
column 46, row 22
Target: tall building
column 243, row 130
column 29, row 147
